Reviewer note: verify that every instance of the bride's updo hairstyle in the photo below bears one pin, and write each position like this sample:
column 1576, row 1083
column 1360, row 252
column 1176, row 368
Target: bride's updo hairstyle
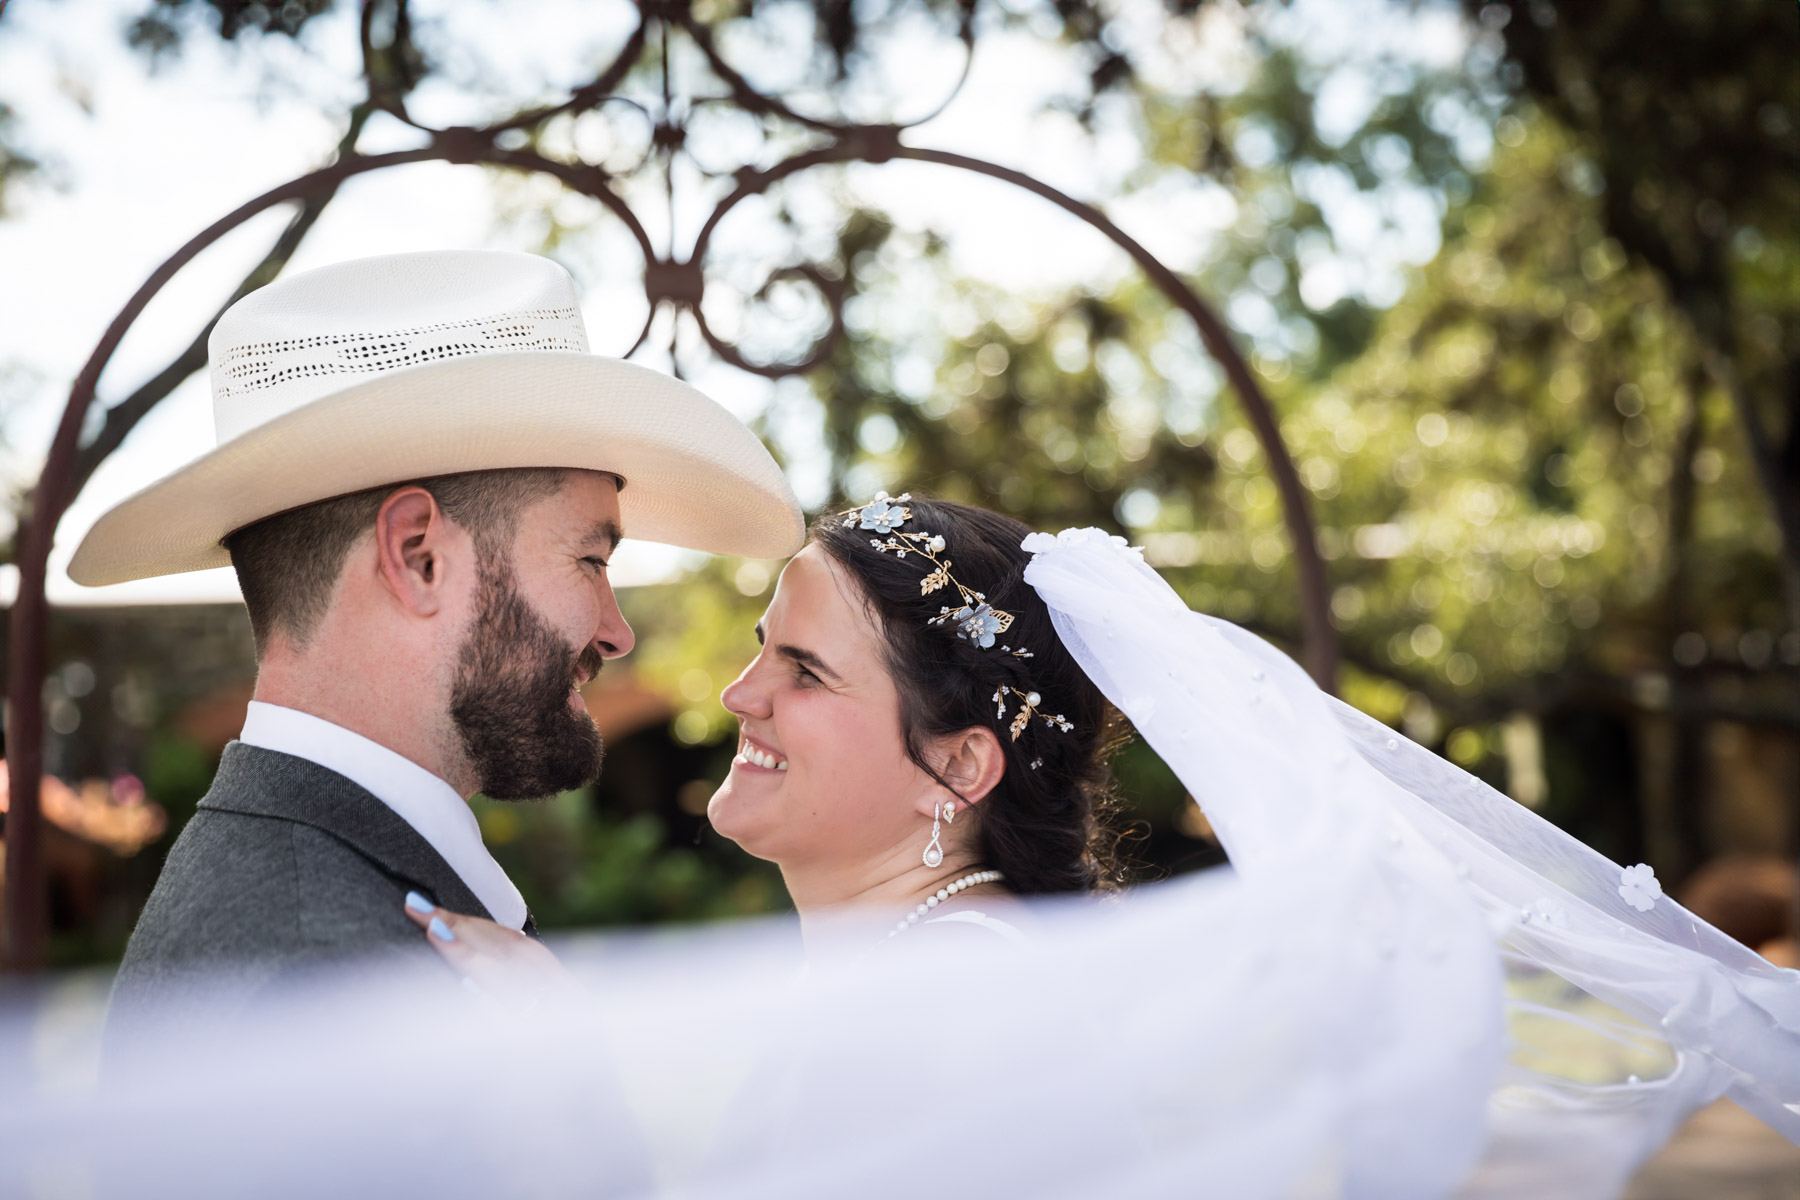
column 1047, row 824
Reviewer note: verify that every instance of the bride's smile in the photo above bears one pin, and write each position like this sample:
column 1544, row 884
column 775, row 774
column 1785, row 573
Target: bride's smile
column 752, row 755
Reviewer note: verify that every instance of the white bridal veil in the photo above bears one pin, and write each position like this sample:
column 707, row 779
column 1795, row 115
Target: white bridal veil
column 1405, row 986
column 1290, row 777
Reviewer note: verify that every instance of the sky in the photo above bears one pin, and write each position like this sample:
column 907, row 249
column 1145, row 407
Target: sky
column 141, row 159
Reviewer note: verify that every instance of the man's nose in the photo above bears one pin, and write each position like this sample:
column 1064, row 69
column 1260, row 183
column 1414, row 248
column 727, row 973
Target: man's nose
column 614, row 638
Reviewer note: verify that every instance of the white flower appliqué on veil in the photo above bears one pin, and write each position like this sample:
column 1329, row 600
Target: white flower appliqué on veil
column 1038, row 543
column 1639, row 887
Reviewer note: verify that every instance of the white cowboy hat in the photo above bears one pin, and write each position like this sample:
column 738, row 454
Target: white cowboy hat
column 383, row 370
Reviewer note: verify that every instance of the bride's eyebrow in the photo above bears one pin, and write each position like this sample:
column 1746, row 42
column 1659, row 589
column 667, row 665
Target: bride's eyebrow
column 803, row 656
column 809, row 660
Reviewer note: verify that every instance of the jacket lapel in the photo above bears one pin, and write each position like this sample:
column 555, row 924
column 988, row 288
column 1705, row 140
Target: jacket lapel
column 256, row 782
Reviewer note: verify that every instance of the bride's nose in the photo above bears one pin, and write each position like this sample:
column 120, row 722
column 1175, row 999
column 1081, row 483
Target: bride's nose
column 747, row 695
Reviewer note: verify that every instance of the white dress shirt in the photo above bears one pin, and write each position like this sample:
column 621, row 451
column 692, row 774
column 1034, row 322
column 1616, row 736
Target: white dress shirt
column 431, row 806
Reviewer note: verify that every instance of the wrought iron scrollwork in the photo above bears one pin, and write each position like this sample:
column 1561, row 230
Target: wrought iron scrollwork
column 830, row 289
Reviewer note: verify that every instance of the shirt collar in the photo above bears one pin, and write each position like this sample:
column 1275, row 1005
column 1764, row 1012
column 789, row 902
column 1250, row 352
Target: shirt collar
column 431, row 806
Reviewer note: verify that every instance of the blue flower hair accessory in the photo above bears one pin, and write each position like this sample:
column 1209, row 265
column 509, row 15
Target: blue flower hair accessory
column 975, row 620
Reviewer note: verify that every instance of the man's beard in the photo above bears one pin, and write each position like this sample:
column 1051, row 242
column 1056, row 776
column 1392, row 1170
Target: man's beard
column 510, row 701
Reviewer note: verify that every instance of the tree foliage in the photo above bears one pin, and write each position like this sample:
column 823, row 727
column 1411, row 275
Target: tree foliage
column 16, row 163
column 160, row 29
column 1691, row 114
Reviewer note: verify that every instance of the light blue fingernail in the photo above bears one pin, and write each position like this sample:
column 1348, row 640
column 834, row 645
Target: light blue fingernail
column 441, row 931
column 418, row 903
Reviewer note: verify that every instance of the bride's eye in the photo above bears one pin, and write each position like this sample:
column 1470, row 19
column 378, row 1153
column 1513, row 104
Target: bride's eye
column 805, row 677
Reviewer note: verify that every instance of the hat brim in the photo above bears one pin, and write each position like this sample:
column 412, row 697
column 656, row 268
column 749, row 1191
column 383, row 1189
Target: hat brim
column 694, row 475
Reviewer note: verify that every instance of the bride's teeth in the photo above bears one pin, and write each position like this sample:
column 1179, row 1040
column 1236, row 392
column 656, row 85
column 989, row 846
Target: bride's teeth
column 755, row 757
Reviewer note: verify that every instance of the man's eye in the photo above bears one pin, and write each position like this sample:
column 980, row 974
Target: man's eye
column 594, row 562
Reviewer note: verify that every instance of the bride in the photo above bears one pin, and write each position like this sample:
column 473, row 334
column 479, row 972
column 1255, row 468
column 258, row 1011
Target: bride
column 922, row 750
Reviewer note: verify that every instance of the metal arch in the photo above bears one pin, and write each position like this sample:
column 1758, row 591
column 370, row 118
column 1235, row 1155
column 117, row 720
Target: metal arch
column 667, row 280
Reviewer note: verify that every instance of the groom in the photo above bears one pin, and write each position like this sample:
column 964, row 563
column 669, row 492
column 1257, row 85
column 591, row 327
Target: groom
column 421, row 475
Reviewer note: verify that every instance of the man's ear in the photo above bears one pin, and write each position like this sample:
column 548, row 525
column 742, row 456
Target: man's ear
column 973, row 763
column 411, row 537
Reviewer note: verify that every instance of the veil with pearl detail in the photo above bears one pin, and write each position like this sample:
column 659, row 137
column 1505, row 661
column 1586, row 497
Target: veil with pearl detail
column 1405, row 985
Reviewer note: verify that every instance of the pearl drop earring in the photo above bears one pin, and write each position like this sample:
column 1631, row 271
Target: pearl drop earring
column 934, row 853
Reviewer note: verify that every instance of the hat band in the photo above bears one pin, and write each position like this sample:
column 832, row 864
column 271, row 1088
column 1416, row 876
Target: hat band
column 281, row 376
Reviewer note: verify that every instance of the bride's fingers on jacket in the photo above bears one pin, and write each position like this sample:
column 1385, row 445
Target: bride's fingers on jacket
column 491, row 956
column 420, row 910
column 502, row 965
column 441, row 926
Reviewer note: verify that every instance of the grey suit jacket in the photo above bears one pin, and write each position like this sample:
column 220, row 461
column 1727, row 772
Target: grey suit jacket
column 286, row 868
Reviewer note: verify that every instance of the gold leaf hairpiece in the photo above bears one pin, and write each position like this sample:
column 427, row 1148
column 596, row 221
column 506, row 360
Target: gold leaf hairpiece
column 976, row 621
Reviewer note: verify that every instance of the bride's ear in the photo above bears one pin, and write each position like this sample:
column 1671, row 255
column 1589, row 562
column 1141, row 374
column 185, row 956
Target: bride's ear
column 972, row 762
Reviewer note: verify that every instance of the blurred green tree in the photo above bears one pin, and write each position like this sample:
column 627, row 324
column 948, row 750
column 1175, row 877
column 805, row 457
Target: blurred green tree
column 1689, row 113
column 15, row 162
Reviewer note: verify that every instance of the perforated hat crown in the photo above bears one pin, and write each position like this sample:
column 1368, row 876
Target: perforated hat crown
column 383, row 370
column 300, row 339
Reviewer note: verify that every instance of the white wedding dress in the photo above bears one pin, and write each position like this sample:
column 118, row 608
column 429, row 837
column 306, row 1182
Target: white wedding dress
column 1406, row 985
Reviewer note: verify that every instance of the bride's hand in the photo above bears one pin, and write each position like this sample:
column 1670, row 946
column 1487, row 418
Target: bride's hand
column 516, row 970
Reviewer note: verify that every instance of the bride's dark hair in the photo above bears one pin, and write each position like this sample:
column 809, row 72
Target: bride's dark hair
column 1048, row 823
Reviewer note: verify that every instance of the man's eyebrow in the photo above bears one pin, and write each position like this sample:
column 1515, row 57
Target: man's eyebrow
column 604, row 531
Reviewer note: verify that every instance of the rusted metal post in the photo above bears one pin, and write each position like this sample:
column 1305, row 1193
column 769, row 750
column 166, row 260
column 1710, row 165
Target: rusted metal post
column 27, row 901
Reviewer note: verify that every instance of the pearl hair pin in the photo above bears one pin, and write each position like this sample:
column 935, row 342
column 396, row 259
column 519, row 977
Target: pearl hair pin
column 942, row 894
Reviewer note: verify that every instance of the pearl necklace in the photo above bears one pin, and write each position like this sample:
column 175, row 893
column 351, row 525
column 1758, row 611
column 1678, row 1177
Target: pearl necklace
column 943, row 894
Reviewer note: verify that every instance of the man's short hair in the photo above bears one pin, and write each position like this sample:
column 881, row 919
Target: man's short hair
column 288, row 565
